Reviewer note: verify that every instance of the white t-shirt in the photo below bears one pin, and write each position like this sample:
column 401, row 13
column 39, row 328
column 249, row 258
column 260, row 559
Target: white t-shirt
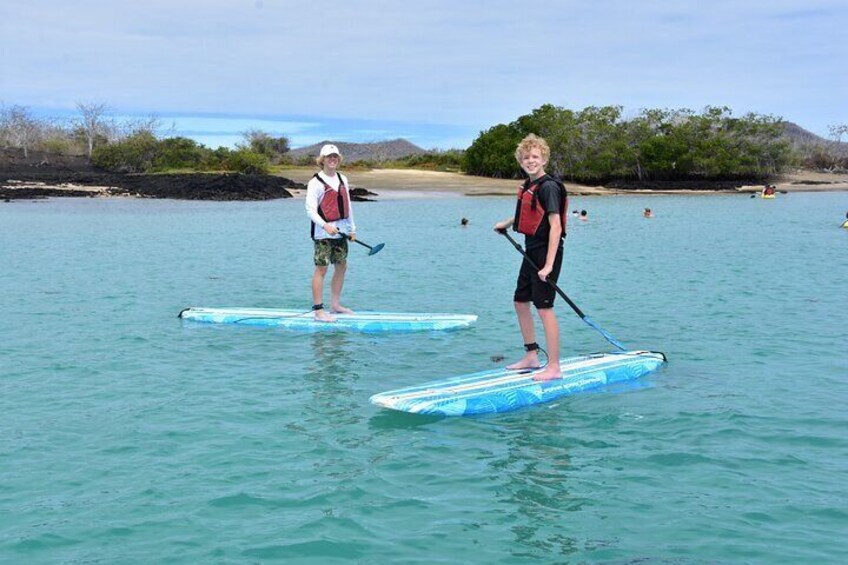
column 314, row 196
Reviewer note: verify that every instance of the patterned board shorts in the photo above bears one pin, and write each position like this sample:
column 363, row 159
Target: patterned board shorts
column 330, row 251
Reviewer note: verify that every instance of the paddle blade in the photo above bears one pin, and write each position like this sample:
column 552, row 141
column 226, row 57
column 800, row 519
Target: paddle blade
column 376, row 249
column 604, row 333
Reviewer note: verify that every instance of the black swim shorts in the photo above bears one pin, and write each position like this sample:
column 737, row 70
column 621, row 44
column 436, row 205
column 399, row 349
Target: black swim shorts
column 529, row 287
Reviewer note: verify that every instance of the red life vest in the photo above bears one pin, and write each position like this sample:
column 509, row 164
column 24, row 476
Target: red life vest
column 529, row 215
column 335, row 204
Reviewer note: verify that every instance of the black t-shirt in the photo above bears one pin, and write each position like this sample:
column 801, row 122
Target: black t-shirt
column 550, row 199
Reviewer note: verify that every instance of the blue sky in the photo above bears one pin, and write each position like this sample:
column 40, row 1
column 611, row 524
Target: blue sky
column 433, row 71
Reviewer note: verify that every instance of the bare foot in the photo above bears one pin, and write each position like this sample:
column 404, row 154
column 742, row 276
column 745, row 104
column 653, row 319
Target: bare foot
column 549, row 374
column 322, row 316
column 339, row 309
column 529, row 361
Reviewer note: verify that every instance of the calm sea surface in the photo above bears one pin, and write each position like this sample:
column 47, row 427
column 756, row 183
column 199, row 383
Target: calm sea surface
column 129, row 436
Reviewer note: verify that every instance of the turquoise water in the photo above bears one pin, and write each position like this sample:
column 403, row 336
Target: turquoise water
column 132, row 437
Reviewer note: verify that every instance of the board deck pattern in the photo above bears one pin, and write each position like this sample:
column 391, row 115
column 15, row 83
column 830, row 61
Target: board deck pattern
column 364, row 322
column 502, row 390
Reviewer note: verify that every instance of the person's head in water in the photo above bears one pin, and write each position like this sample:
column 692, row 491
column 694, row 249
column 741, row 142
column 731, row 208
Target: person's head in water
column 583, row 214
column 464, row 221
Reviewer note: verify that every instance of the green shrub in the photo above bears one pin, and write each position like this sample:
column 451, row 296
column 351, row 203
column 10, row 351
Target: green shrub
column 305, row 161
column 263, row 143
column 133, row 155
column 178, row 153
column 492, row 153
column 246, row 161
column 57, row 145
column 214, row 159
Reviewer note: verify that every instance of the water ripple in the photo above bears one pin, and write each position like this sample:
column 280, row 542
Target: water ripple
column 131, row 436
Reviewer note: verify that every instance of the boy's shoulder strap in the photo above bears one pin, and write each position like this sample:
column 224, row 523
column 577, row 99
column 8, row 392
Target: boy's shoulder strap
column 342, row 183
column 558, row 182
column 321, row 180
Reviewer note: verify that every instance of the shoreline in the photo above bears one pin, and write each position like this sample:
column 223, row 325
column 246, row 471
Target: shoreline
column 386, row 183
column 432, row 183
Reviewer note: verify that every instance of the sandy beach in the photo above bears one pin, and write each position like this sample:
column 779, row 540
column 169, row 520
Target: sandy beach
column 33, row 182
column 401, row 182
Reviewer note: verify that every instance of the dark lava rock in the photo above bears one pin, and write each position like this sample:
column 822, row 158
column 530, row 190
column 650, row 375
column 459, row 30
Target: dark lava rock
column 54, row 170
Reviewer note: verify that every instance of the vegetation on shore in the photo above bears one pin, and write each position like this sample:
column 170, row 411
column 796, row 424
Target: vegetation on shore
column 593, row 146
column 134, row 146
column 446, row 161
column 142, row 152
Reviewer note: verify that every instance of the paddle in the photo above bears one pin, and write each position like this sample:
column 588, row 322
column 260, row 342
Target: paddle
column 371, row 250
column 574, row 307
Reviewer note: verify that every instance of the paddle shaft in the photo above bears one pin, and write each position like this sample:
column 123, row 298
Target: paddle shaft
column 550, row 282
column 347, row 235
column 574, row 306
column 360, row 242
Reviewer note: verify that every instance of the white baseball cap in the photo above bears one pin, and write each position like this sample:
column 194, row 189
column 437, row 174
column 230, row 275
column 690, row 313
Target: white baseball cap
column 329, row 149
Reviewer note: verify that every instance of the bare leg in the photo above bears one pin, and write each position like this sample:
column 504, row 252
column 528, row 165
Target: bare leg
column 549, row 322
column 525, row 322
column 336, row 285
column 318, row 293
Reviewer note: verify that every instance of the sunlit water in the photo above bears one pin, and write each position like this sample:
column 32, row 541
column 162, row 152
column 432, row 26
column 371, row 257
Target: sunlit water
column 132, row 437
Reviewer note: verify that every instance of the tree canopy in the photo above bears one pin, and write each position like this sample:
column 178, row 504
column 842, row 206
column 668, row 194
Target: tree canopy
column 593, row 145
column 596, row 144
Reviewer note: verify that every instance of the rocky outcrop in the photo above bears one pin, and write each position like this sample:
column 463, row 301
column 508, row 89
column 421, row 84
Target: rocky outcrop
column 60, row 175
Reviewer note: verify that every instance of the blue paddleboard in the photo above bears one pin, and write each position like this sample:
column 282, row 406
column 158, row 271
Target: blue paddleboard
column 502, row 390
column 365, row 322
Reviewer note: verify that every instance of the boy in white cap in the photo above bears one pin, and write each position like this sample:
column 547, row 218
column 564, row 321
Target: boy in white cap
column 329, row 209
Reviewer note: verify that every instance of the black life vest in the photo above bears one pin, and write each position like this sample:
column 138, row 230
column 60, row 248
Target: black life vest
column 335, row 204
column 529, row 215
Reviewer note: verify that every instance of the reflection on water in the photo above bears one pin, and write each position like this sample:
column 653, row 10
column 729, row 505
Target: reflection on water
column 331, row 376
column 534, row 473
column 385, row 419
column 332, row 355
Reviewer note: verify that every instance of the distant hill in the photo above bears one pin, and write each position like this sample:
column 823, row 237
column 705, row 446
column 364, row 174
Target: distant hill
column 377, row 151
column 802, row 138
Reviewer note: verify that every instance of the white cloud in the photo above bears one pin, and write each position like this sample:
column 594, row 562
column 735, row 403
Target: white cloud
column 469, row 64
